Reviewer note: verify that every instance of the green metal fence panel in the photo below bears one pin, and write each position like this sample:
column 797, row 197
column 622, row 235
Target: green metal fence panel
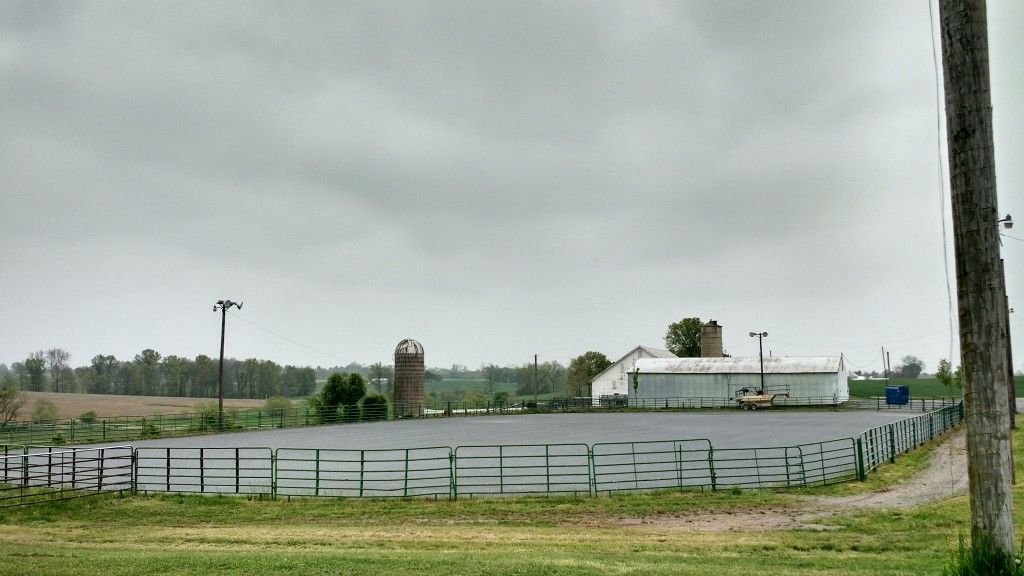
column 884, row 443
column 205, row 470
column 652, row 465
column 403, row 472
column 829, row 462
column 522, row 469
column 29, row 473
column 775, row 467
column 40, row 475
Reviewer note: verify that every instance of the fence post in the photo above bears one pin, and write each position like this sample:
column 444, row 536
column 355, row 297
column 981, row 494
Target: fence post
column 168, row 479
column 405, row 478
column 273, row 474
column 678, row 452
column 202, row 472
column 134, row 463
column 72, row 431
column 501, row 470
column 453, row 468
column 74, row 470
column 237, row 472
column 362, row 465
column 547, row 469
column 892, row 443
column 316, row 488
column 104, row 427
column 861, row 473
column 592, row 470
column 711, row 467
column 99, row 475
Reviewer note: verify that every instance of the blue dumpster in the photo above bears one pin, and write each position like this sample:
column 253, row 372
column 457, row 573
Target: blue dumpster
column 898, row 395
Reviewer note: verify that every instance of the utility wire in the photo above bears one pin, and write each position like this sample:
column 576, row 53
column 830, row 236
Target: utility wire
column 285, row 338
column 942, row 179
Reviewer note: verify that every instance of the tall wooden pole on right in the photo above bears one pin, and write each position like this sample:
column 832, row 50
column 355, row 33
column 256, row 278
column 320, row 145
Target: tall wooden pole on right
column 981, row 288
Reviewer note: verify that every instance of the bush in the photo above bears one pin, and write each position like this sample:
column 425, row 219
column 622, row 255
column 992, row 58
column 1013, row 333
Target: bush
column 277, row 406
column 150, row 431
column 374, row 407
column 44, row 410
column 500, row 398
column 87, row 417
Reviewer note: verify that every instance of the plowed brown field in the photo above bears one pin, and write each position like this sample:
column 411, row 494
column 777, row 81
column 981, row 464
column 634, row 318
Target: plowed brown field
column 72, row 405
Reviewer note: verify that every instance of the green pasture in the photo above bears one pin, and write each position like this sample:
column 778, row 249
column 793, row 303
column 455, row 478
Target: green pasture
column 919, row 387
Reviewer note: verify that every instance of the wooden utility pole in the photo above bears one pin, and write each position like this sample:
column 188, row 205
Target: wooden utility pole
column 535, row 382
column 981, row 289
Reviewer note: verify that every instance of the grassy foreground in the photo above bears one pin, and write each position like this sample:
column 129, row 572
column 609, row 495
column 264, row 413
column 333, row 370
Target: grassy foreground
column 625, row 534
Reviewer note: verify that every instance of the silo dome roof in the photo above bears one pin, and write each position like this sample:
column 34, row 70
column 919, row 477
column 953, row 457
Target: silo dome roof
column 409, row 346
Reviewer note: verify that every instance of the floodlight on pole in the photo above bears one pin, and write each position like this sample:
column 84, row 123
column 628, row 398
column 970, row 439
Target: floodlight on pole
column 760, row 352
column 223, row 306
column 1006, row 222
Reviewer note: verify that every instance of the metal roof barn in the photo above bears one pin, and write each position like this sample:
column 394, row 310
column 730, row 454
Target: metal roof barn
column 713, row 382
column 614, row 379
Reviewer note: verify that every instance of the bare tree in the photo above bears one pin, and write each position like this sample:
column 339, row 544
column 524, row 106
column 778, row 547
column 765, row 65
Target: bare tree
column 57, row 359
column 981, row 287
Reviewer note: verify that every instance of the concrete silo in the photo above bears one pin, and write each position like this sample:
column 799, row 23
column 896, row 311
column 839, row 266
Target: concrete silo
column 409, row 370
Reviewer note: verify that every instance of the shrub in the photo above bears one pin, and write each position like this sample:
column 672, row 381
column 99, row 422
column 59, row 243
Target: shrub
column 44, row 410
column 500, row 398
column 87, row 417
column 374, row 407
column 150, row 431
column 277, row 406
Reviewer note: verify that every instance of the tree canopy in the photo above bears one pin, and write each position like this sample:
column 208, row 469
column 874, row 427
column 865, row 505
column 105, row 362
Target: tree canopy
column 910, row 367
column 683, row 338
column 582, row 370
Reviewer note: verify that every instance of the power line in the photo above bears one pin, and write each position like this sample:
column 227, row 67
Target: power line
column 287, row 339
column 863, row 346
column 942, row 179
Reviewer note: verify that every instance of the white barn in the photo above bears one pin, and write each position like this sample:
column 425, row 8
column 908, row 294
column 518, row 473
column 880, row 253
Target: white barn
column 714, row 381
column 614, row 380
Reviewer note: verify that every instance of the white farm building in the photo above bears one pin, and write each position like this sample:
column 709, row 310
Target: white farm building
column 614, row 380
column 655, row 377
column 710, row 382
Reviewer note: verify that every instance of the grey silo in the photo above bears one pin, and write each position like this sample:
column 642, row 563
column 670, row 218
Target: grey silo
column 409, row 371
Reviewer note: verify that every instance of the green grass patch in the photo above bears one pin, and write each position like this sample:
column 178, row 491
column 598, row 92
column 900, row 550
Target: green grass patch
column 919, row 387
column 630, row 533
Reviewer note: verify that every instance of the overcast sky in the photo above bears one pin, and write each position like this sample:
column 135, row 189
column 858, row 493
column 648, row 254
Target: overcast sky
column 493, row 179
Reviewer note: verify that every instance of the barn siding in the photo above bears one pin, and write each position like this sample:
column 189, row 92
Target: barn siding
column 817, row 387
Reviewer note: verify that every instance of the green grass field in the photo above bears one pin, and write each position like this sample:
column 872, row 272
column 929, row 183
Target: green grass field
column 640, row 533
column 919, row 387
column 481, row 385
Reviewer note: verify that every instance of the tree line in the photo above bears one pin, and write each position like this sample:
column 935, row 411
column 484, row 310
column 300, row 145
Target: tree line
column 151, row 374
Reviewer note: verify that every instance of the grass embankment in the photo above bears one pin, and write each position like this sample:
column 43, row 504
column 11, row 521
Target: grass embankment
column 625, row 534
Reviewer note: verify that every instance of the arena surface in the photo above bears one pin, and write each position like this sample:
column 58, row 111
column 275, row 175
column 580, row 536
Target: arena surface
column 725, row 429
column 578, row 453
